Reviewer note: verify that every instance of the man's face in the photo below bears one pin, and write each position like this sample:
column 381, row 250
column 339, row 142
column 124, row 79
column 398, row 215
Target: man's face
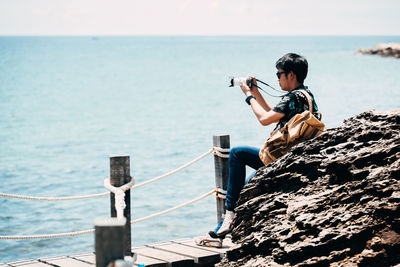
column 283, row 79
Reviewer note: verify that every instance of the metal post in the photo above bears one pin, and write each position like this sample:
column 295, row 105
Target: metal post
column 120, row 175
column 109, row 236
column 221, row 171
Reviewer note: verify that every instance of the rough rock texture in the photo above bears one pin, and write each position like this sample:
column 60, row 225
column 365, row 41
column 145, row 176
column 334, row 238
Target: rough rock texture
column 385, row 50
column 333, row 200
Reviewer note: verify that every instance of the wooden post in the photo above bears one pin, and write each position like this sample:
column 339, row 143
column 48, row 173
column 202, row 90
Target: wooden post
column 109, row 240
column 120, row 175
column 221, row 171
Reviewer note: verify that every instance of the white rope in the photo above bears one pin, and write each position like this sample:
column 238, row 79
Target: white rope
column 173, row 171
column 222, row 150
column 119, row 193
column 218, row 151
column 47, row 236
column 173, row 208
column 119, row 198
column 220, row 193
column 84, row 232
column 53, row 198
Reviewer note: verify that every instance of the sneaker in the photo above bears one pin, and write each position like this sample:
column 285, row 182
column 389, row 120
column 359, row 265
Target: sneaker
column 209, row 240
column 227, row 225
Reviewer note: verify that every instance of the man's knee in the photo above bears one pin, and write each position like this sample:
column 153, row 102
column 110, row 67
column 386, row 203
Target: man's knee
column 234, row 153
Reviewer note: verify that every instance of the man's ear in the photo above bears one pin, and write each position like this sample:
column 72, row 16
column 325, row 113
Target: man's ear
column 292, row 75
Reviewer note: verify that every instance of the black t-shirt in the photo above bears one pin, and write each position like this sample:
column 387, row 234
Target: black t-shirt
column 293, row 103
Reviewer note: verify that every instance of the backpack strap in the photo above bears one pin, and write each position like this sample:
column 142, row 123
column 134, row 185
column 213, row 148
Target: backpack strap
column 310, row 105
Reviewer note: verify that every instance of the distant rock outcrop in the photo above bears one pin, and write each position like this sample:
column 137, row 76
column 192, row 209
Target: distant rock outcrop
column 385, row 50
column 333, row 200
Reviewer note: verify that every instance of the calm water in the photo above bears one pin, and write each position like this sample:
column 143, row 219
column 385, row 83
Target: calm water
column 67, row 103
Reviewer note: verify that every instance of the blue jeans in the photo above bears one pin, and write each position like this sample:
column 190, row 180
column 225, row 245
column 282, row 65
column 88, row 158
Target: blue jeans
column 239, row 158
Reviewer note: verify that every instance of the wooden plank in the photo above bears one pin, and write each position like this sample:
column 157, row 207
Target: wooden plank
column 28, row 263
column 227, row 243
column 150, row 262
column 199, row 255
column 180, row 252
column 89, row 257
column 64, row 261
column 171, row 258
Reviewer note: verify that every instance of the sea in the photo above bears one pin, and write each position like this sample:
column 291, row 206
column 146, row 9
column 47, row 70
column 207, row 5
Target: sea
column 68, row 103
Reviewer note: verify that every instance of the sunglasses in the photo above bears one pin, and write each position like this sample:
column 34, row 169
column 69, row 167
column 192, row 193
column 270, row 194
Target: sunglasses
column 278, row 74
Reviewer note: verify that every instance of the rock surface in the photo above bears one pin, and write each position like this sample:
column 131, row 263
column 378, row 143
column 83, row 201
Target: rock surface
column 333, row 200
column 385, row 50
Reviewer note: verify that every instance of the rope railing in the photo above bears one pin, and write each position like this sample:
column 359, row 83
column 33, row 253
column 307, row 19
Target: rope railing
column 175, row 170
column 119, row 193
column 221, row 152
column 174, row 208
column 220, row 193
column 53, row 198
column 46, row 236
column 217, row 151
column 84, row 232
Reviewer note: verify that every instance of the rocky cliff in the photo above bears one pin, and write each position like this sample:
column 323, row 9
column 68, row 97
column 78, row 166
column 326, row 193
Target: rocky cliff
column 333, row 200
column 385, row 50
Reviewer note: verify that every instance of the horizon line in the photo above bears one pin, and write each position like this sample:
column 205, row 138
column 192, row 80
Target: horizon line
column 199, row 35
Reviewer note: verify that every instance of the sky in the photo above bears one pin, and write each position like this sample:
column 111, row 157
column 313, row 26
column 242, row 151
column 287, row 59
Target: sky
column 199, row 17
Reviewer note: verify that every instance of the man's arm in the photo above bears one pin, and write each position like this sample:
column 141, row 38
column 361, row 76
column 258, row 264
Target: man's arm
column 260, row 99
column 264, row 113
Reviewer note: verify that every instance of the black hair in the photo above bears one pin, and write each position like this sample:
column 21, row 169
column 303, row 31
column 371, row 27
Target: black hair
column 293, row 62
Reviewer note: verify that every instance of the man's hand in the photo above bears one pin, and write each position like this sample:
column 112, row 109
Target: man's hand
column 253, row 82
column 245, row 88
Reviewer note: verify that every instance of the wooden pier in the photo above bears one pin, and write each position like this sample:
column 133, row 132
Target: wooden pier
column 176, row 253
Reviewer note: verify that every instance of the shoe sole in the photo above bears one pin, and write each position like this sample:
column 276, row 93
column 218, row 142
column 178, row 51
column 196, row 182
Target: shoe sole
column 205, row 243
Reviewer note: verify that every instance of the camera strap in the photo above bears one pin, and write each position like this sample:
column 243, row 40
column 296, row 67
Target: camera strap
column 268, row 86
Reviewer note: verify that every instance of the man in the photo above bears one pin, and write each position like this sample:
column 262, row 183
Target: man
column 292, row 70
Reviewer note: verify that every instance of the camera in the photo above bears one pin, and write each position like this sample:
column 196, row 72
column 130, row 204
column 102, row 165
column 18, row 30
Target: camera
column 236, row 81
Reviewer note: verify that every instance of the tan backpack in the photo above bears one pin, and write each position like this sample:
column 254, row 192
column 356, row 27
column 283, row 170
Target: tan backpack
column 299, row 128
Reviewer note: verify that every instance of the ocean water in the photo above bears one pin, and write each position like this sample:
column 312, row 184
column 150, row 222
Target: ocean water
column 67, row 103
